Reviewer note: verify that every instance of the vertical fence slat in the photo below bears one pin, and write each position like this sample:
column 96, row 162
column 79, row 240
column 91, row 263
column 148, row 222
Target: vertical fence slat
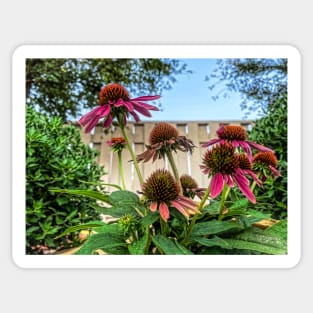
column 138, row 133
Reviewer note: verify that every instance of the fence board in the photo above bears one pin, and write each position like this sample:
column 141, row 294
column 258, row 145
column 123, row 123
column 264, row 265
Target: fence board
column 138, row 133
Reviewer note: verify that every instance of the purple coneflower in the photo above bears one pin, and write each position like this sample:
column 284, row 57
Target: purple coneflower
column 245, row 166
column 222, row 164
column 115, row 102
column 266, row 163
column 190, row 187
column 117, row 143
column 162, row 191
column 237, row 137
column 164, row 137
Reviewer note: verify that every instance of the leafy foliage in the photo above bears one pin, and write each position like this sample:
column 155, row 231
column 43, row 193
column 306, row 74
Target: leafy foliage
column 260, row 81
column 56, row 158
column 234, row 234
column 63, row 87
column 271, row 131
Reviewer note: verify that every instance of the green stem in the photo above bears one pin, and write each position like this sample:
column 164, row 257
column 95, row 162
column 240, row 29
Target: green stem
column 224, row 193
column 174, row 168
column 120, row 166
column 132, row 153
column 253, row 185
column 195, row 217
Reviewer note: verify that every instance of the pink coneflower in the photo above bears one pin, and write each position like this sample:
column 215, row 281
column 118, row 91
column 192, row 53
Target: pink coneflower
column 266, row 163
column 190, row 187
column 115, row 102
column 245, row 166
column 162, row 191
column 164, row 137
column 222, row 164
column 237, row 137
column 117, row 143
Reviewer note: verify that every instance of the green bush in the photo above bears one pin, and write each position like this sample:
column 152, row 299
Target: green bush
column 56, row 158
column 271, row 131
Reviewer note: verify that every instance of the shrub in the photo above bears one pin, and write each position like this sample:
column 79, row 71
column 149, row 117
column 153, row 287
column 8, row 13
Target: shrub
column 271, row 131
column 56, row 158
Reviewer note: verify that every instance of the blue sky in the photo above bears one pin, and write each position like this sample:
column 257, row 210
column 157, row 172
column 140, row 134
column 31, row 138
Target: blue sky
column 191, row 99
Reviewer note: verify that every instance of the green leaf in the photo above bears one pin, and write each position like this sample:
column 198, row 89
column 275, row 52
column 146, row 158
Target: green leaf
column 124, row 198
column 279, row 230
column 117, row 211
column 214, row 227
column 76, row 228
column 138, row 247
column 107, row 242
column 167, row 246
column 86, row 193
column 258, row 214
column 213, row 242
column 247, row 245
column 149, row 219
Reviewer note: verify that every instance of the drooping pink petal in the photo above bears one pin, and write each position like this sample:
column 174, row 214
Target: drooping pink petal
column 129, row 106
column 119, row 103
column 153, row 206
column 164, row 211
column 99, row 111
column 146, row 98
column 91, row 124
column 228, row 180
column 210, row 142
column 205, row 169
column 186, row 202
column 259, row 147
column 217, row 183
column 246, row 148
column 254, row 177
column 274, row 170
column 135, row 116
column 235, row 143
column 142, row 110
column 179, row 207
column 220, row 131
column 108, row 121
column 243, row 184
column 146, row 106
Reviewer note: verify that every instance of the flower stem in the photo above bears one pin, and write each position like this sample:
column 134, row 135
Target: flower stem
column 132, row 153
column 195, row 217
column 174, row 168
column 120, row 166
column 253, row 185
column 224, row 193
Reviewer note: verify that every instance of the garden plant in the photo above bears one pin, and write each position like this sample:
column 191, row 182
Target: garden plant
column 171, row 214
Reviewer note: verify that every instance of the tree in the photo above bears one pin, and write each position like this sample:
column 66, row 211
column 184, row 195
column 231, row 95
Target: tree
column 63, row 87
column 260, row 81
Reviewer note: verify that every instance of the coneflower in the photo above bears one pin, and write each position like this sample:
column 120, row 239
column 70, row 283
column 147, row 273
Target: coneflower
column 162, row 191
column 237, row 137
column 115, row 102
column 222, row 164
column 266, row 163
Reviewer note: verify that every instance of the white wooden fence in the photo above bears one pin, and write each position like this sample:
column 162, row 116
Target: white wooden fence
column 199, row 132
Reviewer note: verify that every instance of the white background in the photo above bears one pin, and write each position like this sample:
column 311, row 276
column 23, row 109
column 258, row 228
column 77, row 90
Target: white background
column 162, row 22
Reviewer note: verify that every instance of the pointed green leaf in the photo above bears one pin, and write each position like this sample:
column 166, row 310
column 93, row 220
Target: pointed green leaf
column 138, row 247
column 214, row 227
column 167, row 246
column 149, row 219
column 213, row 242
column 107, row 242
column 124, row 198
column 80, row 227
column 86, row 193
column 247, row 245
